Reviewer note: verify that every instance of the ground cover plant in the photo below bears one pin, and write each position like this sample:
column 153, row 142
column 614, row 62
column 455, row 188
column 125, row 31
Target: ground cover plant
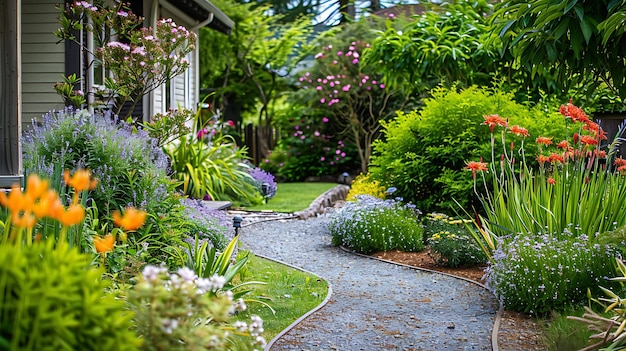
column 370, row 224
column 450, row 242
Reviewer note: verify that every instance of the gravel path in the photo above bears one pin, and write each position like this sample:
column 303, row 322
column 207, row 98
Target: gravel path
column 374, row 305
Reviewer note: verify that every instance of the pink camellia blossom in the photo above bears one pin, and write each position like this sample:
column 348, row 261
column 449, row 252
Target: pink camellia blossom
column 301, row 79
column 355, row 61
column 368, row 88
column 332, row 84
column 346, row 88
column 374, row 82
column 316, row 133
column 343, row 154
column 337, row 152
column 307, row 74
column 230, row 123
column 334, row 62
column 202, row 133
column 319, row 55
column 382, row 86
column 339, row 53
column 325, row 81
column 356, row 55
column 296, row 127
column 319, row 87
column 322, row 100
column 325, row 120
column 267, row 160
column 391, row 15
column 295, row 134
column 351, row 47
column 323, row 159
column 303, row 137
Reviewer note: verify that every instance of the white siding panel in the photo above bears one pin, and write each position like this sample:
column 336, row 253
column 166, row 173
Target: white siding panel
column 43, row 59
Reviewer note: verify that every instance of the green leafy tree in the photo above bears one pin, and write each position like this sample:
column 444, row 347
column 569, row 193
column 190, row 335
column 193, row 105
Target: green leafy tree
column 248, row 66
column 447, row 45
column 572, row 41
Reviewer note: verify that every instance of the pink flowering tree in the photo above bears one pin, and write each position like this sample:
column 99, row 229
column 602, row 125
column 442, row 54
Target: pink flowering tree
column 352, row 96
column 135, row 60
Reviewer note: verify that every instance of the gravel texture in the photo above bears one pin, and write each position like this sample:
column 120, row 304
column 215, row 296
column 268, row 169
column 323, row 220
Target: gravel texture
column 374, row 305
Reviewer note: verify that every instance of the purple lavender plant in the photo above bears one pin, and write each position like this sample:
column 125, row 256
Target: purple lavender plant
column 264, row 182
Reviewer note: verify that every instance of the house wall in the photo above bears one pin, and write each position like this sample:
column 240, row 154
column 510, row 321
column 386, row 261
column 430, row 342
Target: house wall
column 10, row 131
column 43, row 61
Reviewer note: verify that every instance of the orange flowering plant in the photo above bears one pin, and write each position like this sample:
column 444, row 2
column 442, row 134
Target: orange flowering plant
column 38, row 212
column 578, row 187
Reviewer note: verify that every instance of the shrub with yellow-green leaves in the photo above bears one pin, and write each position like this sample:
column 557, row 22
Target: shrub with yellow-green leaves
column 363, row 184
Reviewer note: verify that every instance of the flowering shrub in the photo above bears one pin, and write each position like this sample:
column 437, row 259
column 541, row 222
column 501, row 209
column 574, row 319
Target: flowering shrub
column 138, row 59
column 181, row 311
column 364, row 185
column 536, row 273
column 206, row 225
column 450, row 243
column 129, row 165
column 371, row 224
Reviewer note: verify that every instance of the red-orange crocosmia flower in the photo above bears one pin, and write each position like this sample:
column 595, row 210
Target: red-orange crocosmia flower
column 105, row 244
column 544, row 140
column 543, row 159
column 619, row 162
column 475, row 166
column 131, row 220
column 573, row 112
column 551, row 181
column 588, row 140
column 494, row 120
column 563, row 145
column 554, row 158
column 519, row 131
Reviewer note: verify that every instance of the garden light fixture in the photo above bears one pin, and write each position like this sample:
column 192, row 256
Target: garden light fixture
column 237, row 224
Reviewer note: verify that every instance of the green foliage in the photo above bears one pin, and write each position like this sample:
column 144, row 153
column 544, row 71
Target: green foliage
column 293, row 197
column 166, row 128
column 537, row 273
column 214, row 169
column 450, row 243
column 445, row 46
column 179, row 311
column 423, row 154
column 372, row 224
column 561, row 333
column 51, row 300
column 577, row 41
column 244, row 66
column 610, row 329
column 128, row 164
column 364, row 185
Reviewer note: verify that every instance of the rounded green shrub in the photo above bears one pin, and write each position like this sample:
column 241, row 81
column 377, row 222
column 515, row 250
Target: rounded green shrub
column 423, row 153
column 451, row 243
column 51, row 300
column 370, row 224
column 539, row 273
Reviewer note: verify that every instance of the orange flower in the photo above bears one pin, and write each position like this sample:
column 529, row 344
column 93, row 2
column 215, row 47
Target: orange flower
column 46, row 204
column 600, row 154
column 81, row 180
column 105, row 244
column 573, row 112
column 563, row 145
column 544, row 140
column 35, row 186
column 132, row 219
column 551, row 181
column 543, row 159
column 24, row 220
column 588, row 140
column 16, row 201
column 73, row 215
column 519, row 131
column 494, row 120
column 619, row 162
column 554, row 158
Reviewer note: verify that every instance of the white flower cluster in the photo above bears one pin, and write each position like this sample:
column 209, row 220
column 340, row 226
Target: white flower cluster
column 184, row 276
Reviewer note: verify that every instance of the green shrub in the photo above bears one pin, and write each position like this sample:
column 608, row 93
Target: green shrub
column 213, row 169
column 423, row 154
column 450, row 243
column 51, row 300
column 540, row 273
column 372, row 224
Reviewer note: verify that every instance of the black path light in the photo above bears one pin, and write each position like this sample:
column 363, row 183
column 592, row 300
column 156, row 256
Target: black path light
column 265, row 190
column 237, row 224
column 344, row 178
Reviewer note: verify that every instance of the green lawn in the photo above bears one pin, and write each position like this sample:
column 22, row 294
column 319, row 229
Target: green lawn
column 289, row 292
column 292, row 197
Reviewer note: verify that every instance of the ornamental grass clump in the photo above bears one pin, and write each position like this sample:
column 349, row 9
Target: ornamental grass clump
column 537, row 273
column 370, row 224
column 451, row 243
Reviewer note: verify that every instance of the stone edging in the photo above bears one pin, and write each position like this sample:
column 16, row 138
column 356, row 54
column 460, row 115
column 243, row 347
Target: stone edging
column 327, row 199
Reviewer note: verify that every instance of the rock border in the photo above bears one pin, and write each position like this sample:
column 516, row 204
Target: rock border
column 328, row 199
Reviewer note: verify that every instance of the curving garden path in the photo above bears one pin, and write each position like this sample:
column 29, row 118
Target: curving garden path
column 374, row 305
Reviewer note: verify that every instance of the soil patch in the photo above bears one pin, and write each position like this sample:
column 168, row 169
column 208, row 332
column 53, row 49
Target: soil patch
column 517, row 331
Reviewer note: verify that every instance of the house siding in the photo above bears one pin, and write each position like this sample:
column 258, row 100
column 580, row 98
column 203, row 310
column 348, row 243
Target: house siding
column 43, row 61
